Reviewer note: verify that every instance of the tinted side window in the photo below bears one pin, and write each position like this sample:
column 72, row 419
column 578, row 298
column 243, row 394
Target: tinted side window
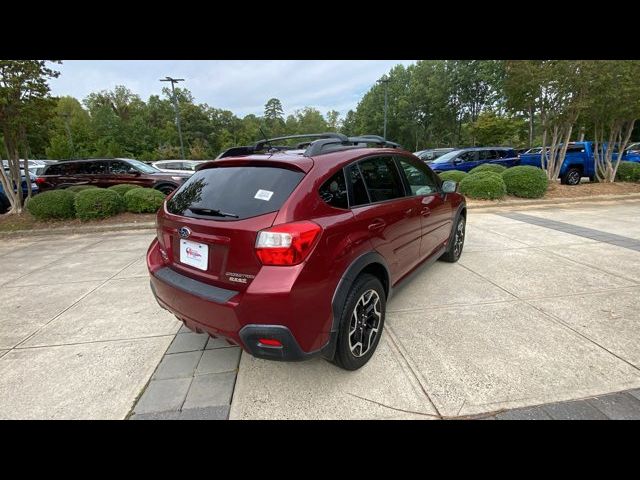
column 418, row 179
column 488, row 155
column 54, row 170
column 381, row 178
column 575, row 150
column 95, row 168
column 120, row 167
column 334, row 191
column 358, row 189
column 468, row 156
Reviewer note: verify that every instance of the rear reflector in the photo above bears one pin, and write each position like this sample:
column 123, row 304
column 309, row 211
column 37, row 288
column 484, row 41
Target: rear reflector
column 287, row 244
column 270, row 342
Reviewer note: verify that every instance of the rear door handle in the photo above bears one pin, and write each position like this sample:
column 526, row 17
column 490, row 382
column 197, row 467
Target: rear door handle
column 377, row 225
column 425, row 212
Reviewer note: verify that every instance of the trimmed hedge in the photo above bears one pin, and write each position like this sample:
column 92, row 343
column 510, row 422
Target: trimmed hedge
column 123, row 188
column 98, row 203
column 526, row 181
column 455, row 175
column 628, row 172
column 485, row 185
column 79, row 188
column 52, row 204
column 143, row 200
column 488, row 167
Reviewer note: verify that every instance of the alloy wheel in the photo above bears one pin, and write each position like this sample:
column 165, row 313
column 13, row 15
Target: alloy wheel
column 365, row 322
column 458, row 241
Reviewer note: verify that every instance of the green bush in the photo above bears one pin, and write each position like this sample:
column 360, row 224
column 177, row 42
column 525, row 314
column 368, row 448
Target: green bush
column 628, row 172
column 485, row 185
column 98, row 203
column 455, row 175
column 79, row 188
column 525, row 181
column 143, row 200
column 52, row 204
column 488, row 167
column 123, row 188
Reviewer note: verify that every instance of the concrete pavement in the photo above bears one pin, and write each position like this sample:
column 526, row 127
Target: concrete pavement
column 80, row 332
column 529, row 316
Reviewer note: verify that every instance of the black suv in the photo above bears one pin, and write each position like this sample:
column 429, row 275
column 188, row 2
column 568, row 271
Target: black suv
column 107, row 172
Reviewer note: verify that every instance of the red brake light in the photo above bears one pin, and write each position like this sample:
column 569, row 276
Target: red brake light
column 287, row 244
column 40, row 180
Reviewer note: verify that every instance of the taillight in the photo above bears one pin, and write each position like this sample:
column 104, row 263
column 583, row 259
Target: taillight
column 40, row 180
column 287, row 244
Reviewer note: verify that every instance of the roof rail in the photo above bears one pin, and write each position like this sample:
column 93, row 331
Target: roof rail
column 260, row 144
column 313, row 147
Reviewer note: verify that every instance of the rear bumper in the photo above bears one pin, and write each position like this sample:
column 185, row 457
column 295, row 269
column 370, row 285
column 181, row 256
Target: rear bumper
column 290, row 351
column 204, row 308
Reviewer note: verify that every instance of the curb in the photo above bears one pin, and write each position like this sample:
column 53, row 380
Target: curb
column 554, row 201
column 80, row 229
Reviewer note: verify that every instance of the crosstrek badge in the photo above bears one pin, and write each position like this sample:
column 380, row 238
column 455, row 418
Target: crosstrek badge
column 263, row 195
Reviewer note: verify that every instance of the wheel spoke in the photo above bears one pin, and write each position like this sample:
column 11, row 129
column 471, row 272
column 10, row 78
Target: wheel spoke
column 365, row 323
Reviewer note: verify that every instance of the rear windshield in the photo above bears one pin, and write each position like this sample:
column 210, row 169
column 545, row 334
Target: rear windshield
column 234, row 193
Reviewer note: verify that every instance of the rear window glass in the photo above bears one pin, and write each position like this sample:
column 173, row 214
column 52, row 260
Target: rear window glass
column 232, row 193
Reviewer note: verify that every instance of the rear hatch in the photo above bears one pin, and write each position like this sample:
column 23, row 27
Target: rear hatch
column 208, row 228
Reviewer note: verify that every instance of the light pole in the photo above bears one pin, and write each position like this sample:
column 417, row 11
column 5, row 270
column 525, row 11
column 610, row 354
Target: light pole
column 385, row 80
column 175, row 105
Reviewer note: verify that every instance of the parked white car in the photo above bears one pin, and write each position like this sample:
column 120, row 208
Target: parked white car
column 183, row 166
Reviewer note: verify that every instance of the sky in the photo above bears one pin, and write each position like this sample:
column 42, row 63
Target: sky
column 241, row 86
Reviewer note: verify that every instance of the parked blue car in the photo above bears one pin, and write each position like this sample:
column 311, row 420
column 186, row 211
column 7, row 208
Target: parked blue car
column 467, row 158
column 4, row 201
column 579, row 161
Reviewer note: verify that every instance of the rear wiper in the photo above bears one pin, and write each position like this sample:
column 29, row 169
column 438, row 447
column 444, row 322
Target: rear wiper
column 212, row 212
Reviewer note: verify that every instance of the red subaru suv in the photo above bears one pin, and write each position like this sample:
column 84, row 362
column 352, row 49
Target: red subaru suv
column 293, row 251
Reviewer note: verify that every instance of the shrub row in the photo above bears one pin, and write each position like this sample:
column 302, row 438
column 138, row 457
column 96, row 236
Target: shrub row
column 492, row 182
column 628, row 172
column 89, row 203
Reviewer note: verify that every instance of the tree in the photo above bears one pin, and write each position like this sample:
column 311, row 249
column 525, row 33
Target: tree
column 333, row 120
column 306, row 120
column 70, row 133
column 274, row 116
column 613, row 106
column 555, row 89
column 24, row 96
column 493, row 129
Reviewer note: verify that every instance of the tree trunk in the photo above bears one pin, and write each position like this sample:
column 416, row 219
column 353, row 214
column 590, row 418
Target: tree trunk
column 531, row 126
column 25, row 148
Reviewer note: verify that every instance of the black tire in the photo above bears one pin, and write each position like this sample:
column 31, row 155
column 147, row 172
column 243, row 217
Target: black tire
column 166, row 188
column 456, row 240
column 572, row 177
column 347, row 357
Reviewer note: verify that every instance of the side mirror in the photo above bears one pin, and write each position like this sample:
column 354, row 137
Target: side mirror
column 457, row 161
column 133, row 171
column 449, row 186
